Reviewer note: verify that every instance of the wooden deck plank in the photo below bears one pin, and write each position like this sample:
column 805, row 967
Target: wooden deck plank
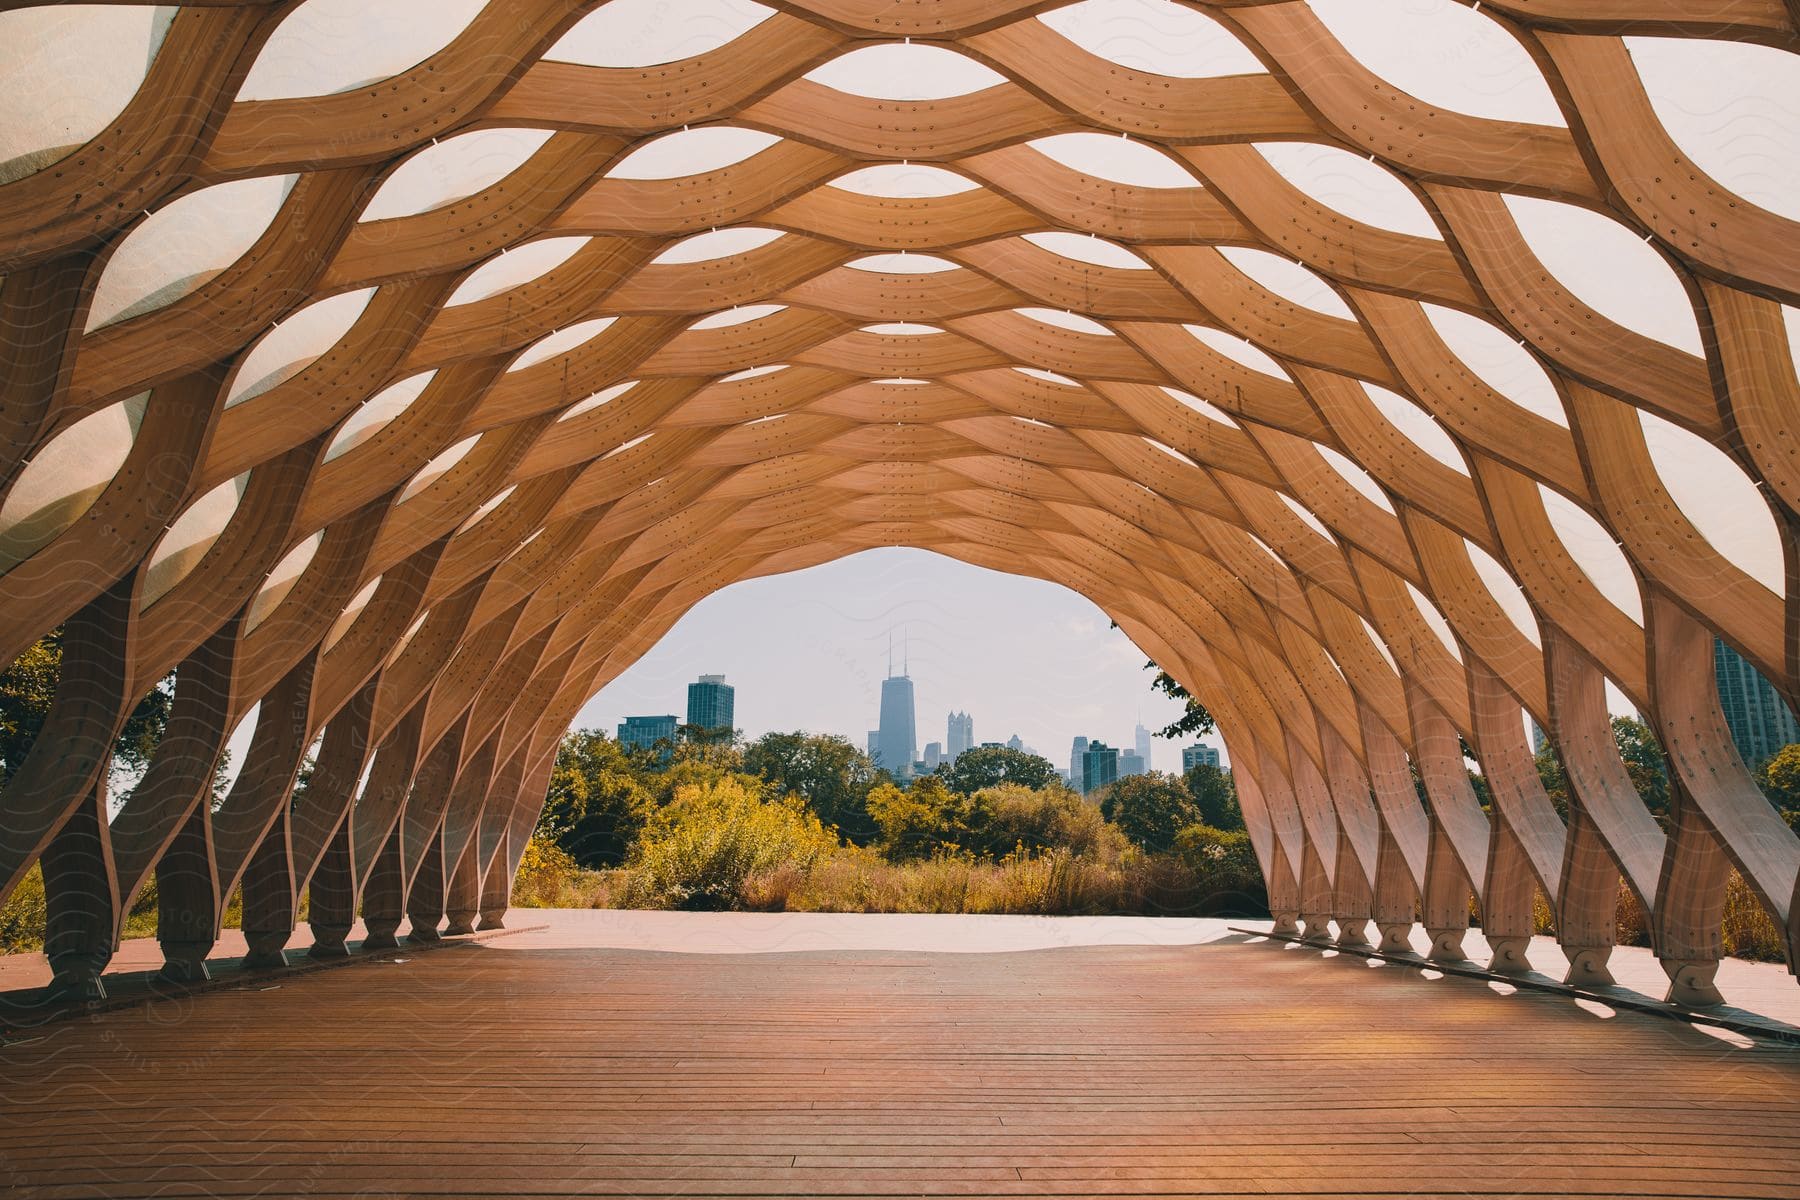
column 533, row 1067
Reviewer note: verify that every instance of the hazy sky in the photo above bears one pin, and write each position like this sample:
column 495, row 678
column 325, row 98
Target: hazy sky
column 809, row 651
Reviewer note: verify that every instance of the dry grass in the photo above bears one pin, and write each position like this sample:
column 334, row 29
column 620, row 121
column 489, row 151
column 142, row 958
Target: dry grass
column 1749, row 931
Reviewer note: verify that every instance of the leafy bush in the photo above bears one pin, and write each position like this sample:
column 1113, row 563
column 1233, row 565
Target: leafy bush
column 22, row 916
column 1226, row 874
column 549, row 877
column 704, row 848
column 918, row 822
column 1011, row 817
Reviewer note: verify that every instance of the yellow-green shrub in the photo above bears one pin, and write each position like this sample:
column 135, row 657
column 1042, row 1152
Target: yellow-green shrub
column 700, row 850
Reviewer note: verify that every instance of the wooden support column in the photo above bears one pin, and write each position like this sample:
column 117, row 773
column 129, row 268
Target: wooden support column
column 1720, row 812
column 331, row 896
column 1395, row 898
column 74, row 745
column 464, row 901
column 1507, row 902
column 324, row 859
column 1445, row 899
column 1359, row 841
column 252, row 828
column 421, row 829
column 187, row 899
column 1351, row 898
column 269, row 897
column 1315, row 896
column 81, row 897
column 375, row 831
column 496, row 891
column 180, row 777
column 1686, row 923
column 1587, row 914
column 497, row 837
column 425, row 899
column 1458, row 852
column 1284, row 896
column 384, row 897
column 1528, row 842
column 1405, row 834
column 1319, row 842
column 1611, row 833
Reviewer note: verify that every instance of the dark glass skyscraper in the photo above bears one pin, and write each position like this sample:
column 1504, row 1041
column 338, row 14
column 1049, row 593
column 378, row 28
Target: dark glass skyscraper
column 1099, row 766
column 898, row 740
column 712, row 703
column 647, row 731
column 1759, row 719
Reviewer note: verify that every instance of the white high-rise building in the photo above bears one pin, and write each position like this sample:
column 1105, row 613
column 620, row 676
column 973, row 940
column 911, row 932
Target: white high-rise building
column 1143, row 747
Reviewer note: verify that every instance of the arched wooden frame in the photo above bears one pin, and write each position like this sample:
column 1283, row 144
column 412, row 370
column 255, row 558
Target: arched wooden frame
column 440, row 638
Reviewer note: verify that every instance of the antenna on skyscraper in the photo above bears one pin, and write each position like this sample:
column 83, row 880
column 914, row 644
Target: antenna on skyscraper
column 906, row 653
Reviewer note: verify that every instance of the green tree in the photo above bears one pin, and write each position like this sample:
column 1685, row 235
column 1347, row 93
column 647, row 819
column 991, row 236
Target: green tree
column 1780, row 780
column 1194, row 720
column 990, row 766
column 28, row 688
column 1150, row 809
column 1215, row 795
column 597, row 803
column 830, row 774
column 1644, row 762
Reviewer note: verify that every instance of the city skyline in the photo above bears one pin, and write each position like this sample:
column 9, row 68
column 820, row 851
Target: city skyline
column 808, row 651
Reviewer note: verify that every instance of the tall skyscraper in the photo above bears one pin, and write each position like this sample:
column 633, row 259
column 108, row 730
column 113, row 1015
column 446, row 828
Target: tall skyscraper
column 961, row 735
column 898, row 740
column 647, row 731
column 1130, row 763
column 1077, row 768
column 712, row 703
column 1198, row 755
column 1143, row 746
column 1099, row 766
column 1759, row 719
column 934, row 755
column 1015, row 742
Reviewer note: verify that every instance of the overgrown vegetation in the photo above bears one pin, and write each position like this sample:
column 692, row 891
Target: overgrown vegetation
column 803, row 822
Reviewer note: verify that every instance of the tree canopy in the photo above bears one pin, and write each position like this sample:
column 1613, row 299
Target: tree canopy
column 990, row 766
column 826, row 771
column 1150, row 809
column 28, row 689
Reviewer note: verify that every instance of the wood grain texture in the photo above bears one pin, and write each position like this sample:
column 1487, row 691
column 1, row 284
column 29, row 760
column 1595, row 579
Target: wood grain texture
column 532, row 1065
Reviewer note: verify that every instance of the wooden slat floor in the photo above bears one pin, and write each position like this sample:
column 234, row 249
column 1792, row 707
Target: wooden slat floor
column 525, row 1066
